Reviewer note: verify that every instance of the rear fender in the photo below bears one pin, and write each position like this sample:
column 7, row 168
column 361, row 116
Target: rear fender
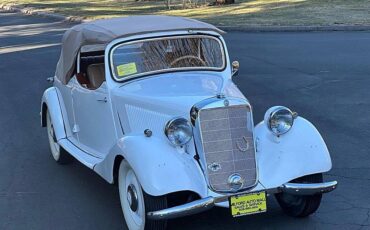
column 299, row 152
column 50, row 102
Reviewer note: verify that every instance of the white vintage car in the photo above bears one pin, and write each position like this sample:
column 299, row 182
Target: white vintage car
column 148, row 103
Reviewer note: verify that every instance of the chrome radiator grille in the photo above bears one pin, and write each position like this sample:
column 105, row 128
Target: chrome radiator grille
column 228, row 147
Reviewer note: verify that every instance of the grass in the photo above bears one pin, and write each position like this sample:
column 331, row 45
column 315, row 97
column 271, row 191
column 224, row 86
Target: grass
column 243, row 13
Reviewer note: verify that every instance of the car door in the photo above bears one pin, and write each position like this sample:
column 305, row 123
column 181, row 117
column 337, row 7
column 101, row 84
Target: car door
column 94, row 123
column 67, row 110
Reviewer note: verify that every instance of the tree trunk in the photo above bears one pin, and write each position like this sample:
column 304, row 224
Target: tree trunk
column 168, row 4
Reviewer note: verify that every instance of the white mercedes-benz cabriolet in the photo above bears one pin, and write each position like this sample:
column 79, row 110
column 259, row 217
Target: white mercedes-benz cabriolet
column 148, row 102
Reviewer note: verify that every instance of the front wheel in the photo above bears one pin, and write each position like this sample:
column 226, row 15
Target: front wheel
column 136, row 203
column 301, row 206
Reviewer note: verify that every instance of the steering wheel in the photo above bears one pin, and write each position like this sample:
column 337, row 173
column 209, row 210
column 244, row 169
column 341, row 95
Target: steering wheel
column 174, row 62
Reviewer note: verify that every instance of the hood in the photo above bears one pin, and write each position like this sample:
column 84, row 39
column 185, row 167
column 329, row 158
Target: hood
column 159, row 98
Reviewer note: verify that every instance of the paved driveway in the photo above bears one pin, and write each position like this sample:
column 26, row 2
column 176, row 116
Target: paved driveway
column 323, row 76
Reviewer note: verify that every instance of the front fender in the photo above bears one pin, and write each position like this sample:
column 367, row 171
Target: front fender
column 50, row 102
column 299, row 152
column 160, row 168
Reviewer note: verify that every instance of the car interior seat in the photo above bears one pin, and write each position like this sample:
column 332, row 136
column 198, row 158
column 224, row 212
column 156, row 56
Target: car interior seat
column 96, row 75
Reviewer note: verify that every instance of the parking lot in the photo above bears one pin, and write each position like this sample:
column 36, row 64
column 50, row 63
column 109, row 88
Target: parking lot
column 324, row 76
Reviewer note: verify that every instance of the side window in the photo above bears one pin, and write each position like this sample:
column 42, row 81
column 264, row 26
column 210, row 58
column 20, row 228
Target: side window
column 92, row 70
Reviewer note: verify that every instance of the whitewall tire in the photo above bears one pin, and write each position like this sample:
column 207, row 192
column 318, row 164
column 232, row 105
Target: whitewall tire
column 136, row 203
column 59, row 154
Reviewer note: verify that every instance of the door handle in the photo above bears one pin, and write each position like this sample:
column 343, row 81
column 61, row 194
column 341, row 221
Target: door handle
column 103, row 100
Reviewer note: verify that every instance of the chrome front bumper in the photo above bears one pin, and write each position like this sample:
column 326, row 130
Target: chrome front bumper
column 207, row 203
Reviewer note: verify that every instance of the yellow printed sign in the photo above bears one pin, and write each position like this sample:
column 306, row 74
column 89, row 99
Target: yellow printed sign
column 126, row 69
column 248, row 204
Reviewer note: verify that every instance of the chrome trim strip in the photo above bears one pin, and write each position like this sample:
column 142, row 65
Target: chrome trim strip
column 207, row 203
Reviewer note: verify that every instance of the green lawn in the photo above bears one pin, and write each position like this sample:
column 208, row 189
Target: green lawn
column 243, row 13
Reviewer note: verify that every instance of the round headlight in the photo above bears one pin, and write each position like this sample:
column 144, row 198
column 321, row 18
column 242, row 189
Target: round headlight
column 178, row 131
column 279, row 119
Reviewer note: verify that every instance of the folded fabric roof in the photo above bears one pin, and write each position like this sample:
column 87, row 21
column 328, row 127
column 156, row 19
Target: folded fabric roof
column 105, row 30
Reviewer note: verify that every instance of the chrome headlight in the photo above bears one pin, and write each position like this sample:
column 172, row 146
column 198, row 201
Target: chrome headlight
column 178, row 131
column 279, row 119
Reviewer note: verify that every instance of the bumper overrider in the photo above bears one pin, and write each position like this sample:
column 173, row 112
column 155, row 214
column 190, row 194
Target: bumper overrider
column 209, row 202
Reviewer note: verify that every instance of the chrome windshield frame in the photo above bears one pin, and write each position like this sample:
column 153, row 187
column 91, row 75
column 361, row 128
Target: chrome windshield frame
column 117, row 45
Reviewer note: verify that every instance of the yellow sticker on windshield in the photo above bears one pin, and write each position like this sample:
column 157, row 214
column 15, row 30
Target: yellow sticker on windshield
column 126, row 69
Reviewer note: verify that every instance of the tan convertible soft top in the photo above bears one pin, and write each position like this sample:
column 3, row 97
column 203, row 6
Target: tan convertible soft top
column 105, row 30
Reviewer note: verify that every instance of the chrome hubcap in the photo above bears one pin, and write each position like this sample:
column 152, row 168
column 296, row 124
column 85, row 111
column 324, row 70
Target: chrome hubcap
column 132, row 197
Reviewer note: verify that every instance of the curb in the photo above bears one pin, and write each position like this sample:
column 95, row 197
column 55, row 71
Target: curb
column 296, row 28
column 75, row 19
column 37, row 12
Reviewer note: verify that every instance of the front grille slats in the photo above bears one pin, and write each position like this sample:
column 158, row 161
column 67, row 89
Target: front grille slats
column 228, row 146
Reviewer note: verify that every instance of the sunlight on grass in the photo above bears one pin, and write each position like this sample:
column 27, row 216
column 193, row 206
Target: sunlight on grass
column 244, row 12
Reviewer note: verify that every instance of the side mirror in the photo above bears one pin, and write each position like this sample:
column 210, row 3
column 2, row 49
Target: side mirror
column 234, row 68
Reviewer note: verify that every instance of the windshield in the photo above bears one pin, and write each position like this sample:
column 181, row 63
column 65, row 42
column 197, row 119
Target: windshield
column 167, row 54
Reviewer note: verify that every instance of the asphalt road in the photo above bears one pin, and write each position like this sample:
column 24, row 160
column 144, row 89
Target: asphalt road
column 323, row 76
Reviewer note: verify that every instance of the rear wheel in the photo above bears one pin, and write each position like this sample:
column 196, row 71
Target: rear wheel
column 59, row 154
column 301, row 206
column 136, row 203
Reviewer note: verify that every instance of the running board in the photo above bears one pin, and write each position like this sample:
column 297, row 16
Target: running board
column 82, row 156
